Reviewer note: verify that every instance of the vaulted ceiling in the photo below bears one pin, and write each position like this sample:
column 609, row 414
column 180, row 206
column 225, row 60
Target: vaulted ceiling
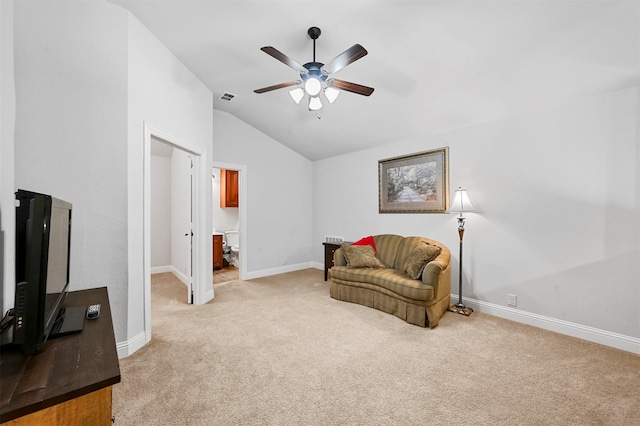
column 435, row 65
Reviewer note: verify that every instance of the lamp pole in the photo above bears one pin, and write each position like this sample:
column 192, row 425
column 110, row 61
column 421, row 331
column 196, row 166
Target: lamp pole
column 461, row 204
column 461, row 234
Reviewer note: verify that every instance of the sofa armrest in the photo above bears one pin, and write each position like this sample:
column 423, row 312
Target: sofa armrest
column 437, row 274
column 338, row 258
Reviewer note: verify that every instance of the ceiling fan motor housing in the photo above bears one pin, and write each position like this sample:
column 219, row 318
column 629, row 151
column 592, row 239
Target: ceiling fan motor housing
column 314, row 71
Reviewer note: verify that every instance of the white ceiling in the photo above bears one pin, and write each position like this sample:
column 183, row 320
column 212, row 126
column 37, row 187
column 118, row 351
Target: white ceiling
column 435, row 65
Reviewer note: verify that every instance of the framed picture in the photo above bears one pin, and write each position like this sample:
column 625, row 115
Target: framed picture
column 416, row 183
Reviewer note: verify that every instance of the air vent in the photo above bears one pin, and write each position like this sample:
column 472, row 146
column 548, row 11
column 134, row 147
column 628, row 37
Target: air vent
column 226, row 96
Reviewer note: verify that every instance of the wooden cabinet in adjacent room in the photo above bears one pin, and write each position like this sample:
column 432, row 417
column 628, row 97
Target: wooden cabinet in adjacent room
column 218, row 262
column 228, row 188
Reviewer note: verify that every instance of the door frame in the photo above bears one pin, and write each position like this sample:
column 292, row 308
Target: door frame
column 198, row 197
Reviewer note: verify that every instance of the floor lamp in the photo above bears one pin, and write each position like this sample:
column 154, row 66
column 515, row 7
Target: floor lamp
column 460, row 205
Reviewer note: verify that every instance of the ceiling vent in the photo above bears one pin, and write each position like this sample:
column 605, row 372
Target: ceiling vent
column 226, row 96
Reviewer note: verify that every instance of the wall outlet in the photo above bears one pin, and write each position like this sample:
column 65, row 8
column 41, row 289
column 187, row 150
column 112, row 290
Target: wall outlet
column 512, row 300
column 333, row 239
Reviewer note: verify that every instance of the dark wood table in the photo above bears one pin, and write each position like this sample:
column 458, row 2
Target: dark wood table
column 70, row 381
column 329, row 249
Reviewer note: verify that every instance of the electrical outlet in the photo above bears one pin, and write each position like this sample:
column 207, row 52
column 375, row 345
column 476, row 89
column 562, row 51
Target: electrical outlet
column 512, row 300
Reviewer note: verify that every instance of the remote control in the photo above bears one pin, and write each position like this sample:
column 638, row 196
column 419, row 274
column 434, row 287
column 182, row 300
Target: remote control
column 93, row 311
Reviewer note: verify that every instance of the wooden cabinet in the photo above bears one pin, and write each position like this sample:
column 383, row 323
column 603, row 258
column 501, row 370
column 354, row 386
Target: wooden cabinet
column 70, row 381
column 228, row 188
column 217, row 252
column 329, row 249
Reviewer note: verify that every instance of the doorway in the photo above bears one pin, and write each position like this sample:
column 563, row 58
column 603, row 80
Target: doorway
column 230, row 225
column 172, row 213
column 201, row 290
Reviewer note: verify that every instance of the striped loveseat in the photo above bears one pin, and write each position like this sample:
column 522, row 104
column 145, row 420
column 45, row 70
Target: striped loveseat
column 389, row 288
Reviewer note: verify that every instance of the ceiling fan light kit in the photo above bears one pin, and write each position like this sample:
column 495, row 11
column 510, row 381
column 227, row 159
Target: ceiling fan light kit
column 331, row 94
column 314, row 103
column 312, row 86
column 297, row 95
column 314, row 75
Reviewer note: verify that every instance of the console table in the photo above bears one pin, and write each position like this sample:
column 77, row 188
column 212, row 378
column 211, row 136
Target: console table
column 329, row 249
column 70, row 381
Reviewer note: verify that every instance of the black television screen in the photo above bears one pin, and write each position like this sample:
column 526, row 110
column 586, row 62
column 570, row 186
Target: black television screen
column 43, row 242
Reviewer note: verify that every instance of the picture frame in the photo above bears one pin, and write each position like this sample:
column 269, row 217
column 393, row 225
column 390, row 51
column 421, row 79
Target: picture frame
column 414, row 183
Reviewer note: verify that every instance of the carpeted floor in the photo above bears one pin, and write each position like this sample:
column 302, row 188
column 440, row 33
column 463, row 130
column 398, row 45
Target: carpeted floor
column 226, row 274
column 280, row 351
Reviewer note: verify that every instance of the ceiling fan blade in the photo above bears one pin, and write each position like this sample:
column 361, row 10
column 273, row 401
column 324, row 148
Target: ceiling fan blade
column 272, row 51
column 350, row 87
column 277, row 86
column 347, row 57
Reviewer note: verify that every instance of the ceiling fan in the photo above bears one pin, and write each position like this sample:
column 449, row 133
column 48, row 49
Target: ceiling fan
column 314, row 76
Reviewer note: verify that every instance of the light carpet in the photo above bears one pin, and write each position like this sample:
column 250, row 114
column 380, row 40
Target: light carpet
column 229, row 273
column 279, row 351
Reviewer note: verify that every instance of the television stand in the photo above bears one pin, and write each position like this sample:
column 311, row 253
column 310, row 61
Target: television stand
column 69, row 321
column 70, row 381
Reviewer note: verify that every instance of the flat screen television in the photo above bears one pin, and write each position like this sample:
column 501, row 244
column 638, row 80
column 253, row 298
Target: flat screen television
column 43, row 243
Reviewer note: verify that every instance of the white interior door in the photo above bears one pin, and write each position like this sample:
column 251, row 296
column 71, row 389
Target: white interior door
column 181, row 218
column 190, row 236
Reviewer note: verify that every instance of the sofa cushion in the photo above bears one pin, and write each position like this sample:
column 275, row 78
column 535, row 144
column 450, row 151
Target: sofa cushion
column 367, row 241
column 387, row 245
column 405, row 249
column 361, row 257
column 421, row 254
column 390, row 279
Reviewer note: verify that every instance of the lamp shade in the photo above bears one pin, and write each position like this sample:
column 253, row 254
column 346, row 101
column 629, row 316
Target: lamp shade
column 461, row 202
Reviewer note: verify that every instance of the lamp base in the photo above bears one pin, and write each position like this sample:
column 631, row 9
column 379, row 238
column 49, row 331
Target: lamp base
column 459, row 308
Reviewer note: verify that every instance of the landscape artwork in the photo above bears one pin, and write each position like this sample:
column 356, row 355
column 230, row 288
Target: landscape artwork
column 416, row 183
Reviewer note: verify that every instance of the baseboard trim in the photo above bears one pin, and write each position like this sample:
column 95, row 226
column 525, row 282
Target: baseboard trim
column 128, row 347
column 170, row 268
column 182, row 277
column 161, row 269
column 209, row 295
column 591, row 334
column 278, row 270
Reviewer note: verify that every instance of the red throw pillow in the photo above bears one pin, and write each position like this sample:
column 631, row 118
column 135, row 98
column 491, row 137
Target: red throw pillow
column 367, row 241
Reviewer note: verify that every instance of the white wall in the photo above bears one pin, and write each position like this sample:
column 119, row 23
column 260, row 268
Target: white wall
column 564, row 203
column 160, row 211
column 279, row 201
column 7, row 122
column 88, row 75
column 71, row 134
column 558, row 197
column 165, row 94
